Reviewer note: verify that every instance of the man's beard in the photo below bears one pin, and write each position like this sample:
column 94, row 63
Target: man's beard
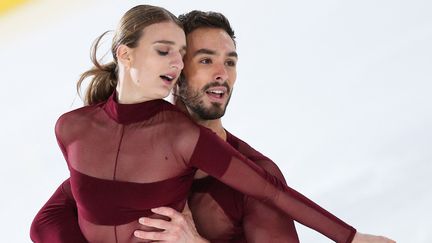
column 193, row 99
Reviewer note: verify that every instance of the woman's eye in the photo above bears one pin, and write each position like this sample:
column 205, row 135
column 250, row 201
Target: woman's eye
column 162, row 53
column 205, row 61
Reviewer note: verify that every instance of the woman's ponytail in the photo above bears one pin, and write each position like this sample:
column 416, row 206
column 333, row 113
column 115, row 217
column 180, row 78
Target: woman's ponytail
column 103, row 78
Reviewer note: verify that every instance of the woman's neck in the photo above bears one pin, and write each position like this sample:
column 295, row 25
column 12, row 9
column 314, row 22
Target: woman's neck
column 128, row 94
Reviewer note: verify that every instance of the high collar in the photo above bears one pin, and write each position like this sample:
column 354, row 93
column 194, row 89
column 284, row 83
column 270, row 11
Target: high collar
column 130, row 113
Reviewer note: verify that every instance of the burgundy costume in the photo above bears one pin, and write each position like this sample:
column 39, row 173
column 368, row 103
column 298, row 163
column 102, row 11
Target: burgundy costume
column 127, row 159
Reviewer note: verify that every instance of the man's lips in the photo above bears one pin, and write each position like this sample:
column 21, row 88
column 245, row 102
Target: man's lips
column 217, row 93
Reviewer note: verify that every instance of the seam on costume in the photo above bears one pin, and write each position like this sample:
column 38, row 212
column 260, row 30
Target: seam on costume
column 115, row 233
column 118, row 152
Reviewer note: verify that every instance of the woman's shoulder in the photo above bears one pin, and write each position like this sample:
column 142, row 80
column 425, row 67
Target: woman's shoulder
column 177, row 122
column 79, row 112
column 78, row 115
column 175, row 116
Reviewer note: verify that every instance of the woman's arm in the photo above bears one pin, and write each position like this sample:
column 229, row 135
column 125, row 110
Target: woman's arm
column 57, row 220
column 217, row 158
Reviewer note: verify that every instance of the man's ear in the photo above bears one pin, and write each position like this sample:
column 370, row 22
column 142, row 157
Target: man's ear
column 124, row 55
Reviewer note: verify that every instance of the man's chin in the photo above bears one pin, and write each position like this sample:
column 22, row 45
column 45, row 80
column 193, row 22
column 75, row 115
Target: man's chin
column 211, row 114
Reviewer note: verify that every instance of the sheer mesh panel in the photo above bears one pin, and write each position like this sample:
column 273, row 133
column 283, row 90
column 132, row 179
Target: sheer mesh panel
column 141, row 152
column 119, row 171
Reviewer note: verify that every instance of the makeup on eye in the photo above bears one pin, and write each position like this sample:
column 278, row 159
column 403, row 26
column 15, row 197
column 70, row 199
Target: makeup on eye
column 164, row 51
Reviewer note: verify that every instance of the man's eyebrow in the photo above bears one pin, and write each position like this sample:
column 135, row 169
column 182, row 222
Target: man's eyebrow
column 233, row 54
column 204, row 51
column 210, row 52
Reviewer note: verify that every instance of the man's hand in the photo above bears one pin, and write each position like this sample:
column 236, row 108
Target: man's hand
column 364, row 238
column 180, row 229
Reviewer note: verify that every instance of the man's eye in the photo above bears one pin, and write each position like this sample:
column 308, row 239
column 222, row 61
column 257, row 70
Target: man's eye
column 205, row 61
column 231, row 63
column 162, row 53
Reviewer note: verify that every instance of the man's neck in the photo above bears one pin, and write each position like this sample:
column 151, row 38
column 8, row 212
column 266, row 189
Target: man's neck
column 214, row 125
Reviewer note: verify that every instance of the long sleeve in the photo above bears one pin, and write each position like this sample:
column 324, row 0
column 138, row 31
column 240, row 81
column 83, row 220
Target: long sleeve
column 263, row 223
column 57, row 221
column 220, row 160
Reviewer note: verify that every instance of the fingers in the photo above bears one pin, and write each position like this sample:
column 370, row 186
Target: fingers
column 387, row 240
column 156, row 223
column 171, row 231
column 179, row 229
column 382, row 239
column 366, row 238
column 157, row 236
column 168, row 212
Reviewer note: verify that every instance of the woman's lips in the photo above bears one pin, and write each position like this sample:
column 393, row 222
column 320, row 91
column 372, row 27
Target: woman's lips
column 168, row 78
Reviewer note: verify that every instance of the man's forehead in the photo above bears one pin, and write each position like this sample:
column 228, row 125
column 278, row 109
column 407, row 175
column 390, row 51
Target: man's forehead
column 210, row 41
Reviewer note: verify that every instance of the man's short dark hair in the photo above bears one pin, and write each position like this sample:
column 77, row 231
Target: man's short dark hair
column 199, row 19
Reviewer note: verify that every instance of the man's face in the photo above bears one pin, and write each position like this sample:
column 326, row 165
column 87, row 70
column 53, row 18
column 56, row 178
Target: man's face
column 209, row 72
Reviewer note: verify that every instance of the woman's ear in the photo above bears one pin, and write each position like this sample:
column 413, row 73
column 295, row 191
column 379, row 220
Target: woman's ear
column 124, row 56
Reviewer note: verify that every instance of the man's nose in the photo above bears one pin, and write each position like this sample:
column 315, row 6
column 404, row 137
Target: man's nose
column 221, row 73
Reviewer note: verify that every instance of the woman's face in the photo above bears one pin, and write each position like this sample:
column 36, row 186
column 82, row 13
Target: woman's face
column 156, row 63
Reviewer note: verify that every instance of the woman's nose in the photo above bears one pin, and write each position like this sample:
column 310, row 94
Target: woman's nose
column 177, row 61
